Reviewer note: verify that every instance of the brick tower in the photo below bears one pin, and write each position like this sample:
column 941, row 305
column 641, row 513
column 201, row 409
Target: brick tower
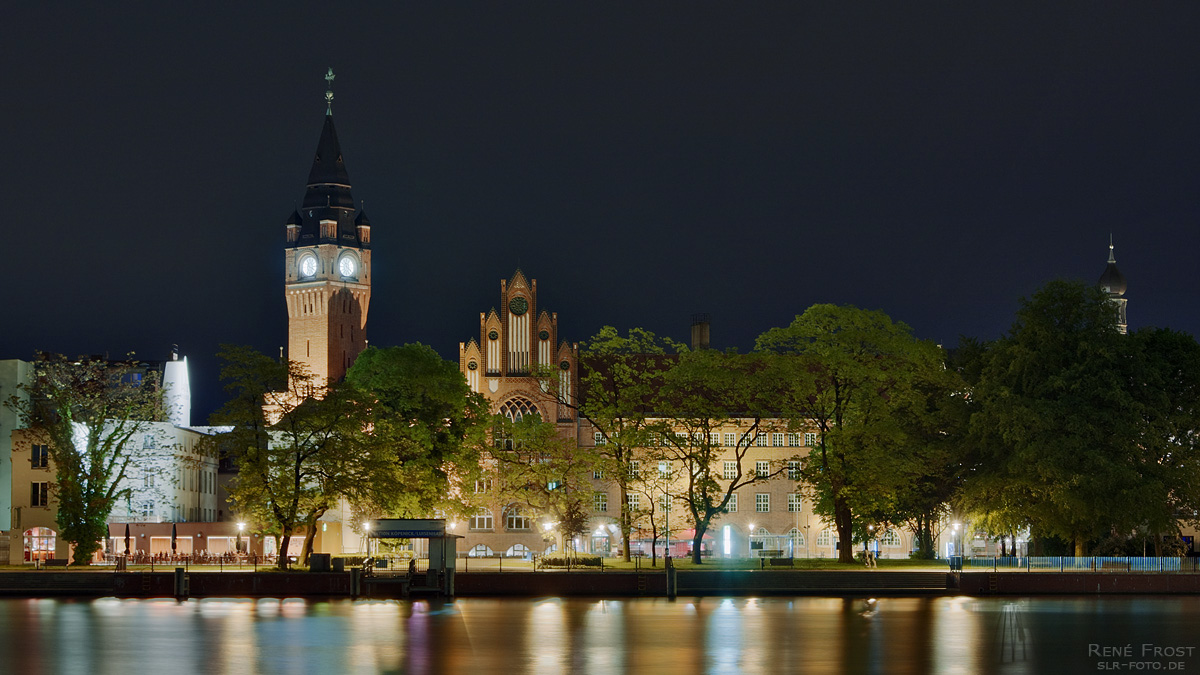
column 327, row 265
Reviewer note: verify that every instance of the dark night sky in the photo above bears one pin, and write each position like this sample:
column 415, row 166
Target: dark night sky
column 743, row 160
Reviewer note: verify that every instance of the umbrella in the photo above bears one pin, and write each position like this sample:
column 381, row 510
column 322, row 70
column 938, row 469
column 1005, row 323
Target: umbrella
column 173, row 536
column 126, row 538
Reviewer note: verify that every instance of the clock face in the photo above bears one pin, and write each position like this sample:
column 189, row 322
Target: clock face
column 518, row 306
column 308, row 266
column 347, row 266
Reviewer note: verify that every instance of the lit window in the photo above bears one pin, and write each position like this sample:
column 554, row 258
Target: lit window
column 762, row 502
column 761, row 440
column 635, row 469
column 794, row 503
column 39, row 493
column 810, row 439
column 890, row 539
column 793, row 440
column 518, row 408
column 633, row 500
column 600, row 502
column 515, row 520
column 729, row 470
column 598, row 474
column 762, row 468
column 777, row 440
column 797, row 538
column 730, row 439
column 825, row 538
column 40, row 458
column 664, row 470
column 714, row 439
column 793, row 471
column 731, row 507
column 599, row 438
column 482, row 520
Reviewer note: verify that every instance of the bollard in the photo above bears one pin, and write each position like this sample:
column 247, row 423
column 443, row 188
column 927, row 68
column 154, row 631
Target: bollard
column 355, row 582
column 181, row 583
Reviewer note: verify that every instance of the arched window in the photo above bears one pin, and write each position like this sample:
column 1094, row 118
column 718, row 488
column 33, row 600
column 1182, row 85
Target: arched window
column 480, row 551
column 482, row 520
column 518, row 407
column 797, row 537
column 890, row 539
column 517, row 551
column 762, row 531
column 825, row 538
column 515, row 520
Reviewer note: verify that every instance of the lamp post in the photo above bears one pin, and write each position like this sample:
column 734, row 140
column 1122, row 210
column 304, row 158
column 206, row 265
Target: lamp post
column 750, row 541
column 367, row 534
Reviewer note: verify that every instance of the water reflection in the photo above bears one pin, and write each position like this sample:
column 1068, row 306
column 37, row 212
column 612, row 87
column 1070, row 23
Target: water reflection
column 716, row 635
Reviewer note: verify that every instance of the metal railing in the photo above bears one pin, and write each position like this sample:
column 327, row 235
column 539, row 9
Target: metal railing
column 1082, row 564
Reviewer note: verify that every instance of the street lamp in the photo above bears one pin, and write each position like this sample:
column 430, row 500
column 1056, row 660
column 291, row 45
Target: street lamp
column 367, row 533
column 750, row 541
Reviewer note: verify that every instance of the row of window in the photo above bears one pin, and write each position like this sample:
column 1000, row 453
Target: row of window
column 514, row 520
column 729, row 470
column 762, row 502
column 730, row 439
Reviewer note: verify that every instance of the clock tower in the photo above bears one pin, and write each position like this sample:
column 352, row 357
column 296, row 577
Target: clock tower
column 327, row 265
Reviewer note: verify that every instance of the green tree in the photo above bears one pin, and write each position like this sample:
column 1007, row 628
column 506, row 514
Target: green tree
column 89, row 410
column 540, row 472
column 422, row 410
column 1055, row 423
column 850, row 371
column 704, row 394
column 298, row 446
column 621, row 376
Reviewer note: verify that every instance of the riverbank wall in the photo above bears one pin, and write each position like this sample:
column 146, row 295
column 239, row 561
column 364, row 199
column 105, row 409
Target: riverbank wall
column 689, row 583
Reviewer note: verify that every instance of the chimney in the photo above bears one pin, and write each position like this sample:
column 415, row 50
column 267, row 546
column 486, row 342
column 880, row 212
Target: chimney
column 699, row 331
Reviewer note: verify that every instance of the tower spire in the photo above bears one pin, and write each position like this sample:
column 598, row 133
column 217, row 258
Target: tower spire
column 329, row 92
column 1111, row 258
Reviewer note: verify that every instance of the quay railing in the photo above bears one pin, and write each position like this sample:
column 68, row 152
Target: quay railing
column 1082, row 564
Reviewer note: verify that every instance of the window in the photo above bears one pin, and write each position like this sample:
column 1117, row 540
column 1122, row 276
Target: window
column 633, row 500
column 635, row 469
column 598, row 474
column 890, row 539
column 797, row 538
column 714, row 439
column 148, row 480
column 762, row 502
column 148, row 509
column 825, row 538
column 600, row 502
column 761, row 440
column 793, row 469
column 664, row 503
column 518, row 408
column 731, row 507
column 39, row 494
column 599, row 438
column 515, row 520
column 40, row 457
column 482, row 520
column 664, row 470
column 793, row 440
column 482, row 486
column 681, row 438
column 762, row 468
column 794, row 503
column 777, row 440
column 729, row 440
column 810, row 439
column 729, row 470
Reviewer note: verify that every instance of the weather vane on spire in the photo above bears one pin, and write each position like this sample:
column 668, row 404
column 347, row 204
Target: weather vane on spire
column 329, row 92
column 1111, row 257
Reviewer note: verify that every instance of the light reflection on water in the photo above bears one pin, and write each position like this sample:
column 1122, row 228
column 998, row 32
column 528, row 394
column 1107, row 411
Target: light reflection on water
column 551, row 635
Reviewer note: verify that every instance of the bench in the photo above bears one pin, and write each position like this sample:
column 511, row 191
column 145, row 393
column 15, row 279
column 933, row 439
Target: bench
column 780, row 562
column 55, row 562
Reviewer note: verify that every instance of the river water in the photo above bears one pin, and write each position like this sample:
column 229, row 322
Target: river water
column 643, row 635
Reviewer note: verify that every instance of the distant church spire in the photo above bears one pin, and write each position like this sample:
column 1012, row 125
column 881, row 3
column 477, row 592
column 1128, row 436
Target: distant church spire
column 1113, row 283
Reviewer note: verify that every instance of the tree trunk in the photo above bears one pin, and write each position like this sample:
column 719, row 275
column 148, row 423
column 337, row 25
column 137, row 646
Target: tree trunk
column 1080, row 547
column 282, row 558
column 626, row 521
column 698, row 543
column 844, row 521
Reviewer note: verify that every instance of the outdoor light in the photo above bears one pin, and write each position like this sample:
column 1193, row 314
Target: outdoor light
column 547, row 526
column 366, row 526
column 751, row 527
column 241, row 527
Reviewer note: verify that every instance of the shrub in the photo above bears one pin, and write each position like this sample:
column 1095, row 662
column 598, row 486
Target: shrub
column 561, row 561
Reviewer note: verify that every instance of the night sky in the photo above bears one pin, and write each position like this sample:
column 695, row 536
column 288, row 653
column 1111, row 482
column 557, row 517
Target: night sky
column 742, row 159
